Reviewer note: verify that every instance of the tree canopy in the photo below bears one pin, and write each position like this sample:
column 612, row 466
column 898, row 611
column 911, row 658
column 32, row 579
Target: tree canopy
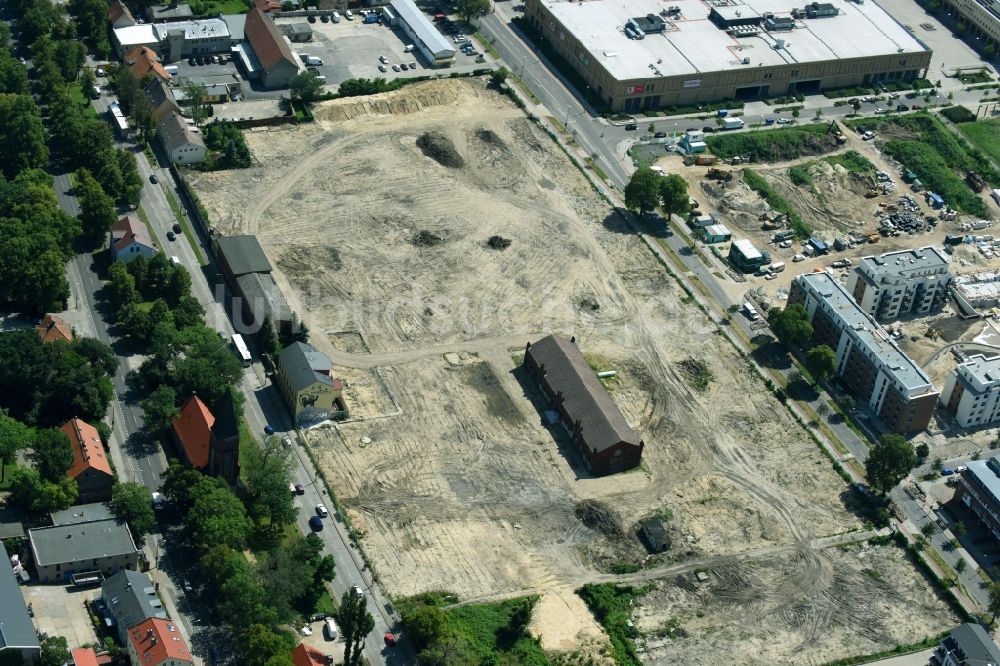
column 266, row 472
column 821, row 361
column 51, row 454
column 674, row 195
column 889, row 461
column 790, row 324
column 472, row 9
column 132, row 503
column 306, row 86
column 355, row 623
column 642, row 193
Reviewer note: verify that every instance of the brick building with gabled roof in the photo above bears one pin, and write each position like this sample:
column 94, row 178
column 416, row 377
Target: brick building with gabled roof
column 272, row 50
column 119, row 15
column 157, row 642
column 599, row 430
column 141, row 61
column 52, row 328
column 192, row 431
column 307, row 655
column 90, row 469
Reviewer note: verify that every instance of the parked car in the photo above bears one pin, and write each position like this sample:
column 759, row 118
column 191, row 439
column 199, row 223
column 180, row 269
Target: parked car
column 947, row 471
column 960, row 469
column 660, row 135
column 902, row 107
column 177, row 228
column 879, row 110
column 382, row 59
column 631, row 127
column 192, row 62
column 349, row 15
column 321, row 511
column 413, row 64
column 382, row 68
column 395, row 68
column 153, row 178
column 216, row 59
column 707, row 129
column 268, row 429
column 769, row 121
column 186, row 584
column 311, row 19
column 390, row 640
column 316, row 523
column 403, row 66
column 799, row 257
column 157, row 501
column 917, row 107
column 300, row 489
column 358, row 591
column 324, row 18
column 784, row 121
column 171, row 236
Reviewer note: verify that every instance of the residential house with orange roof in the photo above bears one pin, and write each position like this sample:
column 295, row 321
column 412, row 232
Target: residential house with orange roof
column 307, row 655
column 90, row 469
column 130, row 239
column 52, row 328
column 83, row 657
column 119, row 15
column 141, row 61
column 192, row 432
column 157, row 642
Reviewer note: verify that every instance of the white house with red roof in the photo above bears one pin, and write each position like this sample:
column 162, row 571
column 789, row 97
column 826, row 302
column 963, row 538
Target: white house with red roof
column 130, row 239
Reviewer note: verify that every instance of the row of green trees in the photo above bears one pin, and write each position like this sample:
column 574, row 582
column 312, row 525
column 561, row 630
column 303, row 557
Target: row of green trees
column 648, row 189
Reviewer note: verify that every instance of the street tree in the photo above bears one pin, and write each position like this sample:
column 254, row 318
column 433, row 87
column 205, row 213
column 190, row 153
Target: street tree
column 927, row 529
column 994, row 601
column 55, row 652
column 23, row 141
column 195, row 97
column 97, row 209
column 120, row 289
column 14, row 436
column 425, row 626
column 217, row 517
column 356, row 623
column 29, row 490
column 51, row 453
column 266, row 472
column 960, row 565
column 922, row 451
column 306, row 87
column 821, row 361
column 264, row 647
column 790, row 324
column 937, row 465
column 131, row 502
column 674, row 195
column 160, row 408
column 472, row 9
column 889, row 461
column 642, row 193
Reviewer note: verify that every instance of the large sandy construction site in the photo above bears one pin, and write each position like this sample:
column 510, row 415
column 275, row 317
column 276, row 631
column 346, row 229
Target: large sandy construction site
column 378, row 218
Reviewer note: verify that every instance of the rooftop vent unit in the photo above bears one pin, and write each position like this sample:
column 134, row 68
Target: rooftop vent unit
column 779, row 44
column 746, row 60
column 744, row 31
column 820, row 10
column 779, row 23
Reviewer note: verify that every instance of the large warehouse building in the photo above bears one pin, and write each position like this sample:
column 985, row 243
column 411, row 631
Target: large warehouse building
column 644, row 54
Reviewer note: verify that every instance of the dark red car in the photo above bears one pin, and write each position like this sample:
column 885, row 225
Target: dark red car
column 390, row 640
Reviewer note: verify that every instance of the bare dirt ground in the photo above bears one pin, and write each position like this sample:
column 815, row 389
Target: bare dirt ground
column 858, row 599
column 383, row 249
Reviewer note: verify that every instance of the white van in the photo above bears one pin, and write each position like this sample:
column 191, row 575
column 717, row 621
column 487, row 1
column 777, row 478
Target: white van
column 408, row 49
column 335, row 16
column 330, row 629
column 349, row 14
column 777, row 267
column 175, row 261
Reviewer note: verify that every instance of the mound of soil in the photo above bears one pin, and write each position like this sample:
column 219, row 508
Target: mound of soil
column 498, row 242
column 427, row 239
column 440, row 148
column 490, row 137
column 600, row 517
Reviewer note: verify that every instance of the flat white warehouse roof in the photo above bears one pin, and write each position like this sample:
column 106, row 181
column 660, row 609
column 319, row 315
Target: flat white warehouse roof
column 136, row 35
column 422, row 27
column 693, row 44
column 199, row 29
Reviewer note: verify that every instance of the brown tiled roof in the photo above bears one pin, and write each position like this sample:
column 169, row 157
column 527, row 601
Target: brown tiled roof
column 602, row 424
column 84, row 657
column 117, row 9
column 194, row 430
column 266, row 40
column 156, row 641
column 130, row 228
column 267, row 5
column 88, row 452
column 53, row 328
column 142, row 60
column 307, row 655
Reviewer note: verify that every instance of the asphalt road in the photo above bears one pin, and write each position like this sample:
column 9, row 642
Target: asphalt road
column 141, row 454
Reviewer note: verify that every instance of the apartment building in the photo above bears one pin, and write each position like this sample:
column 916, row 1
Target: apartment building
column 894, row 284
column 979, row 490
column 972, row 391
column 869, row 362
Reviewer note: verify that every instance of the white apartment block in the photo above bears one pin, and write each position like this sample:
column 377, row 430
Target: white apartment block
column 894, row 284
column 972, row 391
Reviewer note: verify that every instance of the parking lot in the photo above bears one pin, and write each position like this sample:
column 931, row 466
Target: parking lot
column 351, row 50
column 61, row 611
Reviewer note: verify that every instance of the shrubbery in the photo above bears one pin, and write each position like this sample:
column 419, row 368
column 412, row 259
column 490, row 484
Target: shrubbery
column 777, row 202
column 769, row 145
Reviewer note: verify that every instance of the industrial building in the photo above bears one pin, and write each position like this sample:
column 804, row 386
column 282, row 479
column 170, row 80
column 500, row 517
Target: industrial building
column 972, row 391
column 981, row 19
column 426, row 38
column 182, row 39
column 717, row 233
column 976, row 291
column 248, row 272
column 745, row 257
column 644, row 54
column 869, row 362
column 979, row 490
column 599, row 430
column 895, row 284
column 18, row 638
column 82, row 549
